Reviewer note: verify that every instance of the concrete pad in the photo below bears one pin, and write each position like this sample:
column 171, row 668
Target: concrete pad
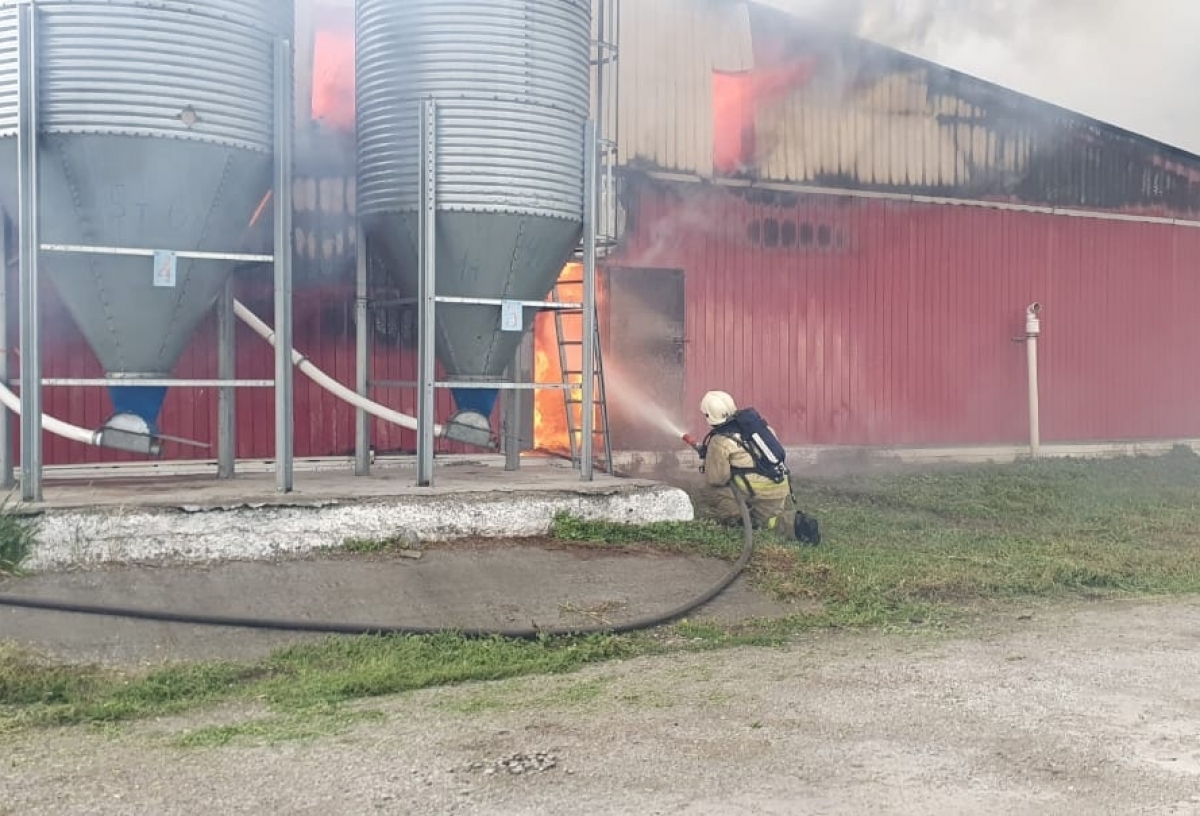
column 89, row 521
column 458, row 585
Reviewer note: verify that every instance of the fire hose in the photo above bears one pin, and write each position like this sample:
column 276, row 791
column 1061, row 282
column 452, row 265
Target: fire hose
column 338, row 628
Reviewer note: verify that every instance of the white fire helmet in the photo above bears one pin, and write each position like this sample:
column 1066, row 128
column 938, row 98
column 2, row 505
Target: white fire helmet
column 717, row 407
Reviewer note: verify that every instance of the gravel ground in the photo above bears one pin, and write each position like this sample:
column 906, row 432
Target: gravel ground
column 1091, row 709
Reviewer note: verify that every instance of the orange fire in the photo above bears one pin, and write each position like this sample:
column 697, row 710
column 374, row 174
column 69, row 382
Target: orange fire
column 550, row 428
column 736, row 100
column 549, row 407
column 333, row 70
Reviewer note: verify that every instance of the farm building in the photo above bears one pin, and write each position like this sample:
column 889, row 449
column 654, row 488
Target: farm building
column 841, row 234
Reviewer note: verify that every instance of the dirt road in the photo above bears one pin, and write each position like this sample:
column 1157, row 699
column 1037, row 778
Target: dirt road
column 1085, row 710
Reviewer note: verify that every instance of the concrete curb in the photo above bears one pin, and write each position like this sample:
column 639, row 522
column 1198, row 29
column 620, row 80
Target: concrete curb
column 73, row 538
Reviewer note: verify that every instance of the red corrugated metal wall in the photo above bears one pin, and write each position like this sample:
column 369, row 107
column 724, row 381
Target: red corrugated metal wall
column 889, row 323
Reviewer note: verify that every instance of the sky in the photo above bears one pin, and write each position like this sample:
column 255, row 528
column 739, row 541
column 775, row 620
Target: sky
column 1131, row 63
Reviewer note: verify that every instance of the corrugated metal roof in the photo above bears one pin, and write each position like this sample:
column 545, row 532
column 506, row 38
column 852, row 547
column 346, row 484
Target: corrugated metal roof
column 835, row 111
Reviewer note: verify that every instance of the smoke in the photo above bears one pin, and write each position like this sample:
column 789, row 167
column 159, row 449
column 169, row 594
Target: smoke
column 914, row 23
column 683, row 219
column 1126, row 62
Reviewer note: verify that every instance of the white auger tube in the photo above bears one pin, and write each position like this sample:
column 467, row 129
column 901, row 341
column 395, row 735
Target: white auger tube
column 87, row 437
column 328, row 383
column 49, row 423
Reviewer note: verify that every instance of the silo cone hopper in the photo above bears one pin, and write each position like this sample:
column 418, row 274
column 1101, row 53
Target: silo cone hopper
column 480, row 255
column 138, row 313
column 510, row 79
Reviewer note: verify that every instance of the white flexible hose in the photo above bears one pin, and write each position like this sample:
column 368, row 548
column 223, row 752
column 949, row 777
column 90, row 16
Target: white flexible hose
column 49, row 423
column 325, row 381
column 77, row 434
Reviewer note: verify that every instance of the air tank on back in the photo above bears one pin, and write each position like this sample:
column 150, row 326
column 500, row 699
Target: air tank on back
column 511, row 81
column 155, row 132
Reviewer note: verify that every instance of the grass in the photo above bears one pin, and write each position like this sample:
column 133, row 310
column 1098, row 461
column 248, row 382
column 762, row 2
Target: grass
column 910, row 546
column 375, row 546
column 918, row 548
column 300, row 679
column 18, row 534
column 515, row 694
column 322, row 722
column 1049, row 529
column 697, row 538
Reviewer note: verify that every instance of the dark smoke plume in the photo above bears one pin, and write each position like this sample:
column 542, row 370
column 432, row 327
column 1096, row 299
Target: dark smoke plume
column 917, row 23
column 1127, row 62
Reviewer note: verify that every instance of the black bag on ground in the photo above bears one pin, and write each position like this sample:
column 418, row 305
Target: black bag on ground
column 806, row 529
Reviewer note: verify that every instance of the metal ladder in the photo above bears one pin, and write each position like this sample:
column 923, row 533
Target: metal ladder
column 571, row 291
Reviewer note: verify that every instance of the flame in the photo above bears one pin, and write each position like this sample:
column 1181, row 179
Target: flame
column 333, row 71
column 549, row 408
column 550, row 431
column 733, row 112
column 736, row 97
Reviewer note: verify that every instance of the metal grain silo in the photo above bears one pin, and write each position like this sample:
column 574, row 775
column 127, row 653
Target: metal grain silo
column 155, row 132
column 511, row 83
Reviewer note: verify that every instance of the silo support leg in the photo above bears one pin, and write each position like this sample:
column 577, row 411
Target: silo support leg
column 588, row 436
column 284, row 417
column 517, row 415
column 226, row 399
column 427, row 373
column 30, row 250
column 362, row 360
column 7, row 476
column 512, row 423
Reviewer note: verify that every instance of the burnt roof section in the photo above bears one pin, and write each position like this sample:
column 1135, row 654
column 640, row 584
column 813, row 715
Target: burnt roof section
column 1006, row 146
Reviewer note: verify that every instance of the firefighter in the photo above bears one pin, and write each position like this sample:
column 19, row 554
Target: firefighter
column 726, row 464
